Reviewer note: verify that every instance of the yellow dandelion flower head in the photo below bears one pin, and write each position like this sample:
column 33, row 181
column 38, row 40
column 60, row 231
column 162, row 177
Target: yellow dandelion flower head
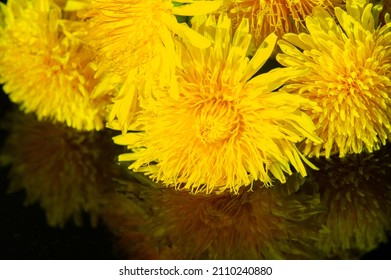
column 350, row 78
column 45, row 68
column 58, row 167
column 225, row 129
column 134, row 40
column 357, row 193
column 128, row 33
column 264, row 224
column 278, row 16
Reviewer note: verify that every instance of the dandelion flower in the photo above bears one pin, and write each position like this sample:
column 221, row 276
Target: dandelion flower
column 134, row 39
column 278, row 16
column 349, row 78
column 225, row 129
column 126, row 33
column 45, row 68
column 357, row 193
column 264, row 224
column 59, row 167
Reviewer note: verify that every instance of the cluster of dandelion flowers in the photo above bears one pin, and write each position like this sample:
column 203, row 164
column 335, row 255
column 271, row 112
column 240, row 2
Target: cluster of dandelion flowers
column 349, row 78
column 64, row 170
column 225, row 129
column 45, row 68
column 263, row 224
column 278, row 16
column 357, row 193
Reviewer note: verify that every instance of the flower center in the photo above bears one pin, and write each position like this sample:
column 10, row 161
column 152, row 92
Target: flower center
column 350, row 83
column 216, row 121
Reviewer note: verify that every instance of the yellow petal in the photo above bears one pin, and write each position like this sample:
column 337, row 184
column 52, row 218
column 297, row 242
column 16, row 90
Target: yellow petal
column 43, row 5
column 186, row 33
column 196, row 8
column 127, row 157
column 183, row 1
column 261, row 56
column 75, row 5
column 275, row 78
column 126, row 139
column 125, row 104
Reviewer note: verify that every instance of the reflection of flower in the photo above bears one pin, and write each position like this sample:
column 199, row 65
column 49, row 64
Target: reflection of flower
column 66, row 171
column 264, row 224
column 224, row 130
column 349, row 78
column 45, row 68
column 279, row 16
column 125, row 221
column 357, row 193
